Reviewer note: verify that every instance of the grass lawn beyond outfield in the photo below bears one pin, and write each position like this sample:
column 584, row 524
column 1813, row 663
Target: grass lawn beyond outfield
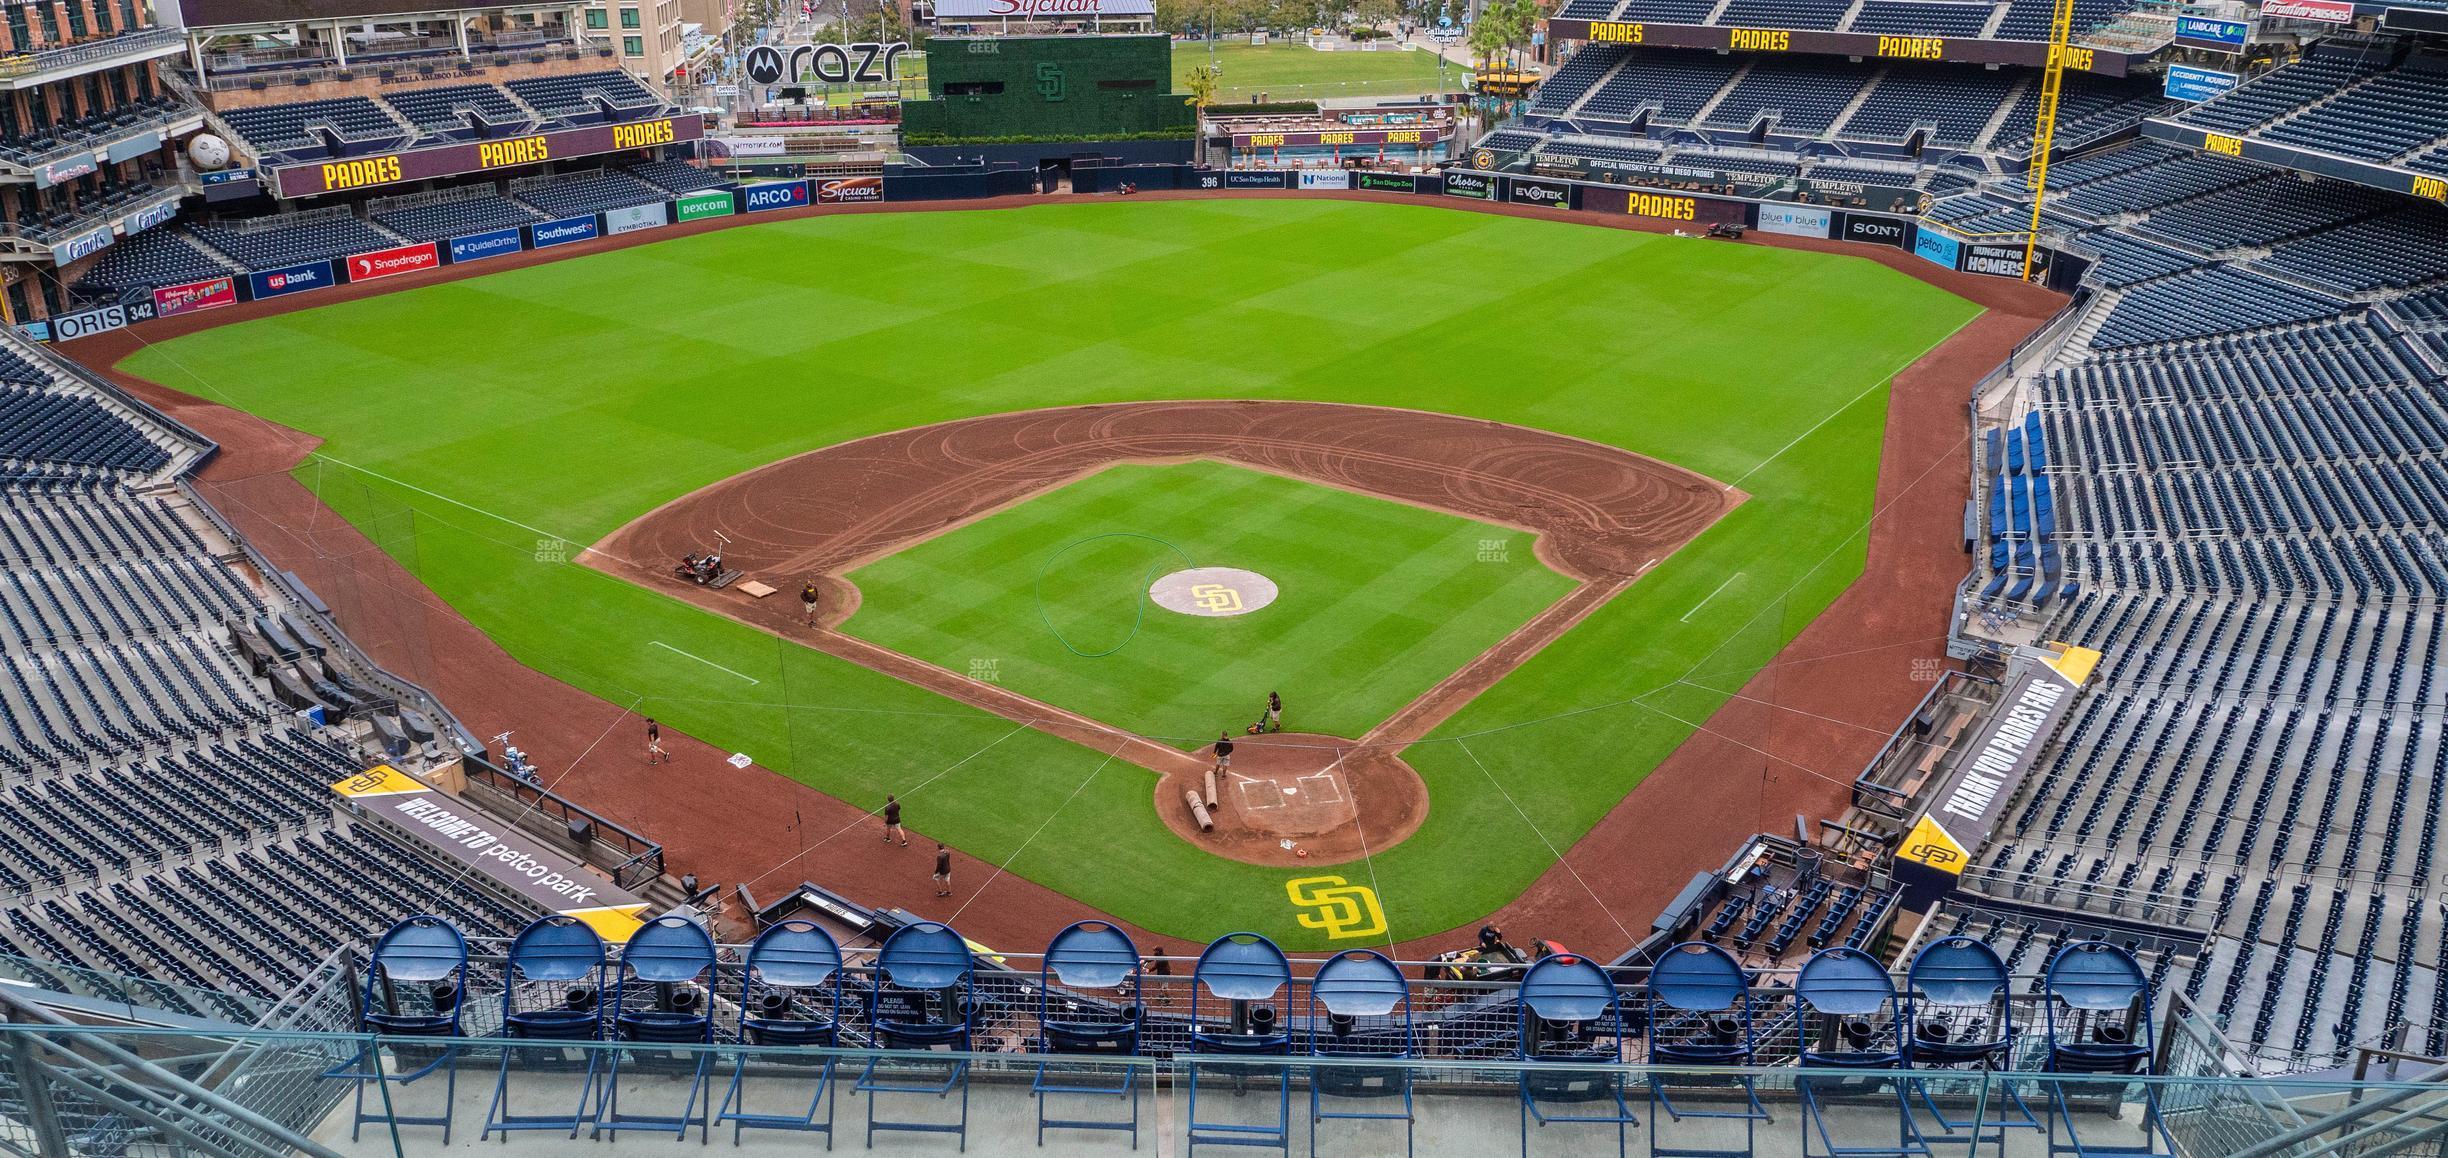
column 1377, row 600
column 464, row 421
column 1295, row 71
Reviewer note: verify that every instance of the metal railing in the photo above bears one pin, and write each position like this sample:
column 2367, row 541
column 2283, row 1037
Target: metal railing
column 35, row 63
column 81, row 1089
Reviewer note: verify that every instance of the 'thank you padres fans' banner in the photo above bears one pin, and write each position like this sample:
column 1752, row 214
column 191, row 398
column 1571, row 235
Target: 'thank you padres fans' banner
column 210, row 294
column 272, row 283
column 1960, row 817
column 478, row 156
column 510, row 858
column 1795, row 220
column 476, row 246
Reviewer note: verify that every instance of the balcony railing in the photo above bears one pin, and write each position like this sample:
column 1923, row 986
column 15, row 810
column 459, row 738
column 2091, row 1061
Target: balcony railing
column 54, row 59
column 101, row 1090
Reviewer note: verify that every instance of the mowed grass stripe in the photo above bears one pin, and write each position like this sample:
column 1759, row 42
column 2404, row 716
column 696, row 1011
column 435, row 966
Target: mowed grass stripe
column 1346, row 639
column 662, row 368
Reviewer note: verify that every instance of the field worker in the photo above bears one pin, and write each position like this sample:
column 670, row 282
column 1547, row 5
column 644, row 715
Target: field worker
column 892, row 821
column 807, row 598
column 943, row 870
column 654, row 743
column 1274, row 712
column 1223, row 752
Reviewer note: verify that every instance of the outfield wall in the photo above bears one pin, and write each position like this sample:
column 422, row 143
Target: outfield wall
column 1992, row 256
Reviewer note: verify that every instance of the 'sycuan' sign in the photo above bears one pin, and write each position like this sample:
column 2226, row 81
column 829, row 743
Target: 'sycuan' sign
column 1040, row 9
column 849, row 190
column 478, row 156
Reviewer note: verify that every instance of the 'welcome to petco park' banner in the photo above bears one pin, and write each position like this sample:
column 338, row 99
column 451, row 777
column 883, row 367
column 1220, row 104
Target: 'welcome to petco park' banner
column 513, row 859
column 478, row 156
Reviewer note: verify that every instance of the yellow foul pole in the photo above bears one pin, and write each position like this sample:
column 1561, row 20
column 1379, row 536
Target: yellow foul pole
column 2044, row 126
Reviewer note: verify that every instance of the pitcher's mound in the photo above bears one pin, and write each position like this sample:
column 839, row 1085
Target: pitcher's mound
column 1327, row 796
column 1213, row 591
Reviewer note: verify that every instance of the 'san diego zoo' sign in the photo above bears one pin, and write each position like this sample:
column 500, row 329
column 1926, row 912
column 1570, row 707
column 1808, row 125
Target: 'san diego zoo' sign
column 866, row 62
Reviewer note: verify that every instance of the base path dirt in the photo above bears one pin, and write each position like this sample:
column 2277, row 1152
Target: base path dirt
column 1785, row 747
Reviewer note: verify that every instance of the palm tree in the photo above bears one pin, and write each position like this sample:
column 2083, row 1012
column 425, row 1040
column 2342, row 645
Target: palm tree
column 1202, row 83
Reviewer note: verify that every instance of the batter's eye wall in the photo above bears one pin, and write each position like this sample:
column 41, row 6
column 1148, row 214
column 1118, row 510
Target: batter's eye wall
column 1047, row 88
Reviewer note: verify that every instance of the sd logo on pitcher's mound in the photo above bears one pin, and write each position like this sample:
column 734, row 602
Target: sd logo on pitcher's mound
column 1213, row 591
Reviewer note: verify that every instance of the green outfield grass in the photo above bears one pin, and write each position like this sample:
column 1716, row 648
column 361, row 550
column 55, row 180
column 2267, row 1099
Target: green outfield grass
column 1378, row 600
column 465, row 422
column 1288, row 71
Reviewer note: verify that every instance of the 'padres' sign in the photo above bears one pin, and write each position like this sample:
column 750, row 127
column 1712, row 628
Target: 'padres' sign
column 1344, row 910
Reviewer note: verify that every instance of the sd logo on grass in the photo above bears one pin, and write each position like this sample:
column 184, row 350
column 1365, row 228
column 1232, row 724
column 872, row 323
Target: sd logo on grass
column 1216, row 598
column 1344, row 910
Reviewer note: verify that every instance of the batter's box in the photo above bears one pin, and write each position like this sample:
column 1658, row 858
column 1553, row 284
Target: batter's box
column 1322, row 788
column 1260, row 795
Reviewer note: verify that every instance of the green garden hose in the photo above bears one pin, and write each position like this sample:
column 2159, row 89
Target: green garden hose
column 1145, row 581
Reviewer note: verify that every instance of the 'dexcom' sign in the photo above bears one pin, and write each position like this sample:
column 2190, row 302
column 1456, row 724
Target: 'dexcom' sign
column 866, row 62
